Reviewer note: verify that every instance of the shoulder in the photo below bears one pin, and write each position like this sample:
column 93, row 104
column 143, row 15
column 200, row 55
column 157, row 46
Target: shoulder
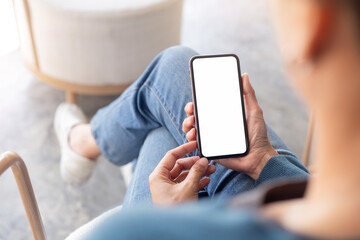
column 204, row 220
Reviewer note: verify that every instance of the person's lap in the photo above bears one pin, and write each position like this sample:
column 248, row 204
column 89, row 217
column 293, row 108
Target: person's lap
column 224, row 182
column 156, row 99
column 124, row 130
column 156, row 144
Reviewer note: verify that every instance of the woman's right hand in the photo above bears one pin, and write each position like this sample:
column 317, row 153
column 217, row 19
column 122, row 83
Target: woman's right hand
column 260, row 150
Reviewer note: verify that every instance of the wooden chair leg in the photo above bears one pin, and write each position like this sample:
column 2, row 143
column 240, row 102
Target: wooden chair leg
column 71, row 97
column 13, row 160
column 308, row 143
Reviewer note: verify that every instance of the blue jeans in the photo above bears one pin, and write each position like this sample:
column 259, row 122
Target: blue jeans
column 146, row 121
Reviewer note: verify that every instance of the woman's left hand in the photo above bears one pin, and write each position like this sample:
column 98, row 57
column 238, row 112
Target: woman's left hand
column 171, row 183
column 261, row 149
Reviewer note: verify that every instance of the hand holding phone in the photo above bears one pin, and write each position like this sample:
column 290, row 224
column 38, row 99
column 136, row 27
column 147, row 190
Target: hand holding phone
column 216, row 84
column 260, row 149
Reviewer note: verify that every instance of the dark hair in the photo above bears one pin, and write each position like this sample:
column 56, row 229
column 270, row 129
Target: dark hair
column 355, row 5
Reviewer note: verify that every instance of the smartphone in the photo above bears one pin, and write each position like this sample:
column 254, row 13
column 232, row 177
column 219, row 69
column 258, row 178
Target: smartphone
column 219, row 111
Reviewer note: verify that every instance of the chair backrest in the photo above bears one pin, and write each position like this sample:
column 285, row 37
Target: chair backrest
column 26, row 38
column 97, row 47
column 13, row 160
column 309, row 140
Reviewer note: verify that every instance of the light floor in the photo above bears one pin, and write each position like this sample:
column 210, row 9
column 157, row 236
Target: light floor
column 27, row 108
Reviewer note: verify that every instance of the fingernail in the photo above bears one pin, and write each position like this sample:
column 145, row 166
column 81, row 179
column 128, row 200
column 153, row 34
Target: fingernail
column 203, row 162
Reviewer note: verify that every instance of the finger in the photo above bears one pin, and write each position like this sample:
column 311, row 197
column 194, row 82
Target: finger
column 197, row 171
column 210, row 170
column 191, row 135
column 189, row 109
column 204, row 182
column 251, row 102
column 182, row 165
column 179, row 169
column 188, row 124
column 169, row 160
column 181, row 177
column 231, row 163
column 249, row 91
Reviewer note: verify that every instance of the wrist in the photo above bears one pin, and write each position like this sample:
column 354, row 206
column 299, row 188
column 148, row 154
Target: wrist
column 267, row 155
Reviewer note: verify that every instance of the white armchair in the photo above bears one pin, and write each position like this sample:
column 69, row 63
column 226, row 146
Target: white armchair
column 94, row 47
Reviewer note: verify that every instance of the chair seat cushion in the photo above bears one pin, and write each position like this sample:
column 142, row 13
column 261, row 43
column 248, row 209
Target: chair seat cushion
column 102, row 5
column 99, row 42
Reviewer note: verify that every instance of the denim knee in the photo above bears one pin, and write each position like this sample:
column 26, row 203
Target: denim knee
column 177, row 54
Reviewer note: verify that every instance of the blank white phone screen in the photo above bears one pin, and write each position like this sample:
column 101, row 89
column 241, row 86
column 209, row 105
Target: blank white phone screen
column 219, row 106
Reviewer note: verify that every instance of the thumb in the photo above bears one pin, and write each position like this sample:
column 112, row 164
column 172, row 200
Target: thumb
column 197, row 171
column 251, row 102
column 248, row 89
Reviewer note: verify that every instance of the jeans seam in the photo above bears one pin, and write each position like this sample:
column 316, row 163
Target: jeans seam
column 285, row 152
column 157, row 95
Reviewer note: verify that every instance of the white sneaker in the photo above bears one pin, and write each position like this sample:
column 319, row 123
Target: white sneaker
column 74, row 169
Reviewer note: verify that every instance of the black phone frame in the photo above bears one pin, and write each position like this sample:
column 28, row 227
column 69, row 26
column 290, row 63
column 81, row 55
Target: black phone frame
column 193, row 92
